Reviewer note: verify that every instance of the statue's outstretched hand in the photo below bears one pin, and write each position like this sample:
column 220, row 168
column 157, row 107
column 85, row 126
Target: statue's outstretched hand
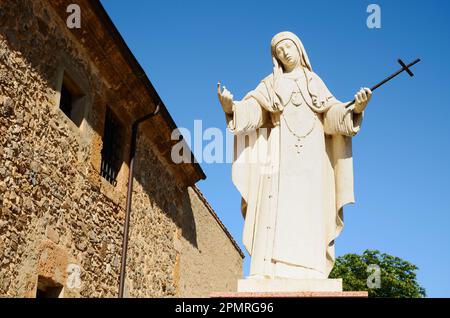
column 362, row 98
column 225, row 98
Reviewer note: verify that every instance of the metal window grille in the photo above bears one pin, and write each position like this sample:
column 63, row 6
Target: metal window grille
column 112, row 153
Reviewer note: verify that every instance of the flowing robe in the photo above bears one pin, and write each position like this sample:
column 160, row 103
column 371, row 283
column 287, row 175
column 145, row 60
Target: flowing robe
column 293, row 168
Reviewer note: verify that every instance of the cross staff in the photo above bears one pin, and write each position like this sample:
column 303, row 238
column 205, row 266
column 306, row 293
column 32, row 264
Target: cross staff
column 387, row 79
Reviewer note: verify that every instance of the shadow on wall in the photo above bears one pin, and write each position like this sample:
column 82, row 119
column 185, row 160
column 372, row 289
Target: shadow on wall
column 163, row 190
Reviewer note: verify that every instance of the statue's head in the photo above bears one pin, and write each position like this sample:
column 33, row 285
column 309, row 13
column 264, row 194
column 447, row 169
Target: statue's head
column 289, row 51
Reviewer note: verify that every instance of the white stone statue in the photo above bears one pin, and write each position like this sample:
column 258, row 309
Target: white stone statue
column 293, row 199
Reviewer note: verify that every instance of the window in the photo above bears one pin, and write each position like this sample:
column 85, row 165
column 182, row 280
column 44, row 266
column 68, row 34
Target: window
column 112, row 152
column 72, row 101
column 66, row 101
column 47, row 288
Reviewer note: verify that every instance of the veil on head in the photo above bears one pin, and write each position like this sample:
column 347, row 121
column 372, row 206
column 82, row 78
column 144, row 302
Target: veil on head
column 291, row 36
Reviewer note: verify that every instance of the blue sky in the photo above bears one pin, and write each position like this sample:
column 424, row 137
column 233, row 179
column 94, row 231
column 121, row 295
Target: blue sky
column 401, row 155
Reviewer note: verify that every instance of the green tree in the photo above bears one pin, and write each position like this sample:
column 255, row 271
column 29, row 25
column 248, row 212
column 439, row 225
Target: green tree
column 397, row 276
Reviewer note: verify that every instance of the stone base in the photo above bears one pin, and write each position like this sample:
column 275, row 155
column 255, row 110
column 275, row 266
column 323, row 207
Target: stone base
column 349, row 294
column 289, row 285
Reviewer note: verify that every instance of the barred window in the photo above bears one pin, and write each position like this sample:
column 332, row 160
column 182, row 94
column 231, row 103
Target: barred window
column 112, row 152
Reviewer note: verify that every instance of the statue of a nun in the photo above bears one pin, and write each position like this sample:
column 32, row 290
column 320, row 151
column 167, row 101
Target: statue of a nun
column 294, row 193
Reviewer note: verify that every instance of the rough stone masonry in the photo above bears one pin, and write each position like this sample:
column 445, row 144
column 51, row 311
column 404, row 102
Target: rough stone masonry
column 61, row 223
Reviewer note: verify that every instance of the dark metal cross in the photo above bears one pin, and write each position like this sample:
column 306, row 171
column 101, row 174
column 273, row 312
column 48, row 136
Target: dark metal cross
column 387, row 79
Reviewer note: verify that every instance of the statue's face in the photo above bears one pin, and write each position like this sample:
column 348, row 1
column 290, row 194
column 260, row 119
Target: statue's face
column 287, row 53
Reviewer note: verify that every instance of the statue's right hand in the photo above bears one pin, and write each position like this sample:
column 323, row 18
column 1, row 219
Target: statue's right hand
column 225, row 98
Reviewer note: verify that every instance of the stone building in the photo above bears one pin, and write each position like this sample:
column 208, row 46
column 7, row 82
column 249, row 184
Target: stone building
column 68, row 98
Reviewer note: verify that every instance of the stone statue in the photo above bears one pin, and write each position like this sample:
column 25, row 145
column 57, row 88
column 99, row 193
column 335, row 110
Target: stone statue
column 293, row 199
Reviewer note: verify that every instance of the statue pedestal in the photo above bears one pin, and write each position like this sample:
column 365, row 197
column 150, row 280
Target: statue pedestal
column 289, row 288
column 343, row 294
column 289, row 285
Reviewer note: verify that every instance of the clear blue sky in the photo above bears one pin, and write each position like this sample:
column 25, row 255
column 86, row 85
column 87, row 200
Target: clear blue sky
column 402, row 164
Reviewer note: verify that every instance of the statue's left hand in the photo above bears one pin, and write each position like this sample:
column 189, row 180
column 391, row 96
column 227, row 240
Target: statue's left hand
column 362, row 98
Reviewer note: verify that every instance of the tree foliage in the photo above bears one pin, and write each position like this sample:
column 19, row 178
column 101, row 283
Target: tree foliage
column 397, row 276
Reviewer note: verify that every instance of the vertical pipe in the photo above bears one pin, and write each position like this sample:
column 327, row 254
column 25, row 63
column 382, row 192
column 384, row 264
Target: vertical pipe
column 128, row 211
column 123, row 265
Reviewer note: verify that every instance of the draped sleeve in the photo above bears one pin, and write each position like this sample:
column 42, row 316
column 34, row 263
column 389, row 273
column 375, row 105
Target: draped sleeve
column 337, row 119
column 251, row 112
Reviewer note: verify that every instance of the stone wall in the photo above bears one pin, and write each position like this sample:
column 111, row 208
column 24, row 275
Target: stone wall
column 53, row 210
column 59, row 219
column 156, row 205
column 208, row 262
